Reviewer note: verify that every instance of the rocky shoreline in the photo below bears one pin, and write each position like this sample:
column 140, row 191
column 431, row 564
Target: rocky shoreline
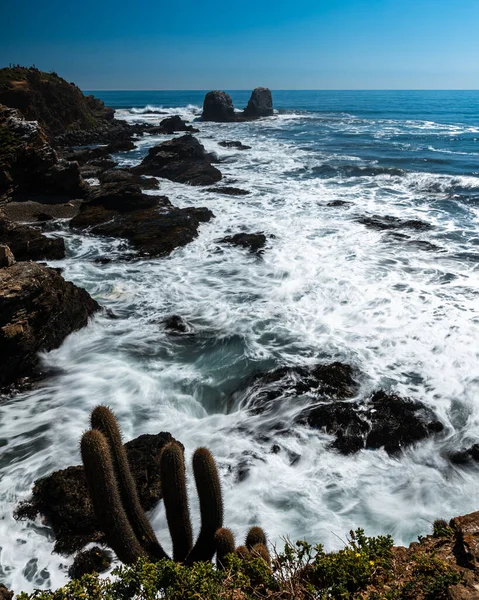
column 46, row 156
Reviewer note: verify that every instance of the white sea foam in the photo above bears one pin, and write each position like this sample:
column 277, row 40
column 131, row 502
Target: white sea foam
column 326, row 288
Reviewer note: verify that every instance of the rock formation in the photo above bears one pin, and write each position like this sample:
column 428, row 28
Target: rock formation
column 260, row 104
column 218, row 106
column 38, row 309
column 183, row 160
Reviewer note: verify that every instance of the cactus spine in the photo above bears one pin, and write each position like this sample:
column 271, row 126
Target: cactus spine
column 211, row 505
column 106, row 499
column 255, row 536
column 225, row 544
column 175, row 498
column 261, row 551
column 103, row 420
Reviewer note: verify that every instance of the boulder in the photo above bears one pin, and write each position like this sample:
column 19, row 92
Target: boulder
column 387, row 223
column 229, row 191
column 127, row 176
column 260, row 104
column 150, row 223
column 254, row 242
column 233, row 144
column 177, row 325
column 28, row 243
column 330, row 392
column 63, row 498
column 38, row 309
column 218, row 106
column 183, row 160
column 6, row 257
column 172, row 125
column 5, row 593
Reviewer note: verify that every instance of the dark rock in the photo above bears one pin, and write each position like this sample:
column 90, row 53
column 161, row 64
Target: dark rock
column 466, row 455
column 85, row 155
column 127, row 176
column 260, row 104
column 254, row 242
column 218, row 106
column 183, row 160
column 43, row 217
column 120, row 145
column 321, row 382
column 234, row 144
column 229, row 191
column 63, row 498
column 177, row 325
column 30, row 164
column 387, row 223
column 119, row 196
column 28, row 243
column 172, row 125
column 103, row 163
column 153, row 231
column 38, row 309
column 338, row 203
column 398, row 422
column 94, row 560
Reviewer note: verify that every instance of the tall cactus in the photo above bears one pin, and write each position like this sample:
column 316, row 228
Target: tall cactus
column 106, row 497
column 175, row 498
column 103, row 420
column 255, row 536
column 225, row 544
column 211, row 505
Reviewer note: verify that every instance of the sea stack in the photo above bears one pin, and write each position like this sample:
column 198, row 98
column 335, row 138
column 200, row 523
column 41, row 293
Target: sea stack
column 260, row 104
column 218, row 106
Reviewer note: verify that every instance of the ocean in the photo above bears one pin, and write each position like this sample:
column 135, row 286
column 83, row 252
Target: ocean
column 401, row 306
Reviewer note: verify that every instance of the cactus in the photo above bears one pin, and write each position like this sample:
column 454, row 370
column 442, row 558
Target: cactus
column 104, row 420
column 242, row 551
column 255, row 536
column 261, row 551
column 225, row 544
column 173, row 482
column 106, row 499
column 211, row 505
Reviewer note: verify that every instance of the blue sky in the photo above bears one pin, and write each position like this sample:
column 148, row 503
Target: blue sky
column 205, row 44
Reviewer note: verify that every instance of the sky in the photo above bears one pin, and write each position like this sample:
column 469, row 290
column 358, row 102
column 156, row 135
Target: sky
column 212, row 44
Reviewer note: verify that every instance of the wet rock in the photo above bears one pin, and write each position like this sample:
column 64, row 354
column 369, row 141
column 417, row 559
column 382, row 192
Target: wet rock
column 254, row 242
column 398, row 422
column 94, row 560
column 466, row 455
column 127, row 176
column 260, row 104
column 183, row 160
column 338, row 203
column 234, row 144
column 324, row 381
column 28, row 243
column 388, row 222
column 6, row 257
column 177, row 325
column 172, row 125
column 121, row 196
column 38, row 309
column 63, row 498
column 229, row 191
column 218, row 106
column 155, row 230
column 44, row 217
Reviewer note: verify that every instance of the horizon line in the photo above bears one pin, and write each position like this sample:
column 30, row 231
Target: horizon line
column 287, row 90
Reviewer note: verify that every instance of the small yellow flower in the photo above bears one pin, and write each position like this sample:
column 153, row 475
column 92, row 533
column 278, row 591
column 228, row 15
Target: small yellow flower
column 357, row 554
column 371, row 562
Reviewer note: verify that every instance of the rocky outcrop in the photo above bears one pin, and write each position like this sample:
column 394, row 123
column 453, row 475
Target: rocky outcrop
column 57, row 105
column 387, row 223
column 254, row 242
column 63, row 498
column 183, row 160
column 218, row 107
column 38, row 309
column 229, row 191
column 6, row 257
column 329, row 391
column 234, row 144
column 172, row 125
column 152, row 225
column 260, row 104
column 28, row 243
column 29, row 166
